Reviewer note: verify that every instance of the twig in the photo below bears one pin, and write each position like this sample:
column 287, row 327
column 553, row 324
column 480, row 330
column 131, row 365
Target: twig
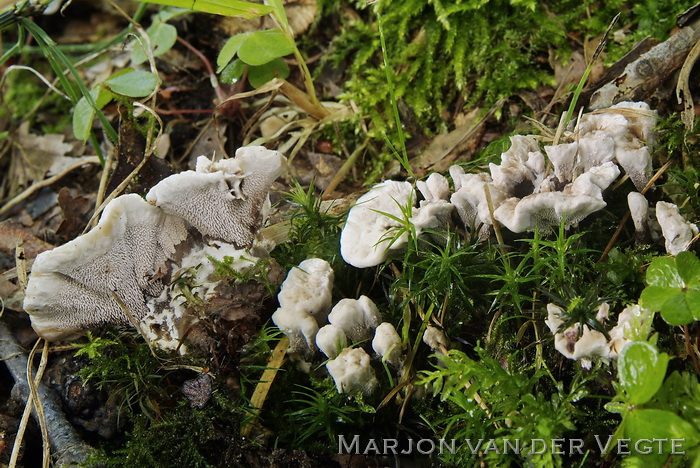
column 64, row 441
column 260, row 394
column 46, row 182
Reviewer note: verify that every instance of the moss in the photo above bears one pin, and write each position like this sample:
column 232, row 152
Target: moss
column 447, row 56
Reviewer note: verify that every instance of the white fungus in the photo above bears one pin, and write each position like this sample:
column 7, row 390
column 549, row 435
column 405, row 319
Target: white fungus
column 309, row 287
column 299, row 327
column 639, row 211
column 92, row 279
column 352, row 372
column 676, row 230
column 387, row 343
column 356, row 317
column 586, row 346
column 369, row 234
column 331, row 339
column 305, row 297
column 436, row 339
column 225, row 199
column 114, row 268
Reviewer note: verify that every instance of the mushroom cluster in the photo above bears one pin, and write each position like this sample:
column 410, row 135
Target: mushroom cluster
column 110, row 274
column 525, row 192
column 305, row 316
column 580, row 343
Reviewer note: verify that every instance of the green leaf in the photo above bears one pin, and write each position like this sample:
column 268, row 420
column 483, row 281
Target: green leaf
column 134, row 83
column 264, row 46
column 278, row 11
column 162, row 36
column 616, row 407
column 664, row 272
column 218, row 7
column 693, row 298
column 229, row 50
column 676, row 310
column 260, row 75
column 641, row 371
column 689, row 268
column 654, row 297
column 645, row 424
column 233, row 71
column 84, row 113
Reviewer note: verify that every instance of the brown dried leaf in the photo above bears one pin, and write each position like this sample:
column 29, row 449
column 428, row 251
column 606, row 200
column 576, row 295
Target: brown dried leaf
column 34, row 154
column 13, row 235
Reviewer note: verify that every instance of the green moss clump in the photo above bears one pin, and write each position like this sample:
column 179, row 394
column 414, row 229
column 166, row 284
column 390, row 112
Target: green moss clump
column 472, row 53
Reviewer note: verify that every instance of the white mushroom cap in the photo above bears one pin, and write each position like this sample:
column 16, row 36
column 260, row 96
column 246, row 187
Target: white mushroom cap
column 436, row 339
column 356, row 317
column 72, row 287
column 387, row 343
column 630, row 126
column 522, row 168
column 544, row 210
column 594, row 149
column 631, row 323
column 299, row 327
column 676, row 230
column 223, row 199
column 366, row 237
column 309, row 288
column 331, row 340
column 639, row 210
column 589, row 345
column 594, row 181
column 564, row 159
column 352, row 372
column 435, row 187
column 432, row 215
column 637, row 164
column 470, row 198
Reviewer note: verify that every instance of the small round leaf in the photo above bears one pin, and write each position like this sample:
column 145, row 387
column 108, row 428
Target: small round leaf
column 264, row 46
column 646, row 424
column 641, row 371
column 162, row 37
column 134, row 83
column 229, row 50
column 676, row 310
column 664, row 272
column 261, row 74
column 689, row 268
column 233, row 71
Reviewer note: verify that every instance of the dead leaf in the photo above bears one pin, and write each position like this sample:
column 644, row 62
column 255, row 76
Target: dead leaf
column 76, row 213
column 13, row 235
column 33, row 154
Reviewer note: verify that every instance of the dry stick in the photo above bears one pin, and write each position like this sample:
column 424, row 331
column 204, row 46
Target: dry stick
column 683, row 88
column 343, row 171
column 34, row 392
column 46, row 182
column 261, row 390
column 621, row 226
column 102, row 189
column 65, row 442
column 19, row 437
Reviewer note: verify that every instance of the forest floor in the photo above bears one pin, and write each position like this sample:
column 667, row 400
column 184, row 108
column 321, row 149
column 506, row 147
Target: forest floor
column 388, row 91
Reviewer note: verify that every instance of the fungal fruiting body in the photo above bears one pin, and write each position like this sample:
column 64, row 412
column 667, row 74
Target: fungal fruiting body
column 108, row 274
column 304, row 298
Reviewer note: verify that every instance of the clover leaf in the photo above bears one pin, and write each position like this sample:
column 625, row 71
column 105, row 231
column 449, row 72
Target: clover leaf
column 673, row 288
